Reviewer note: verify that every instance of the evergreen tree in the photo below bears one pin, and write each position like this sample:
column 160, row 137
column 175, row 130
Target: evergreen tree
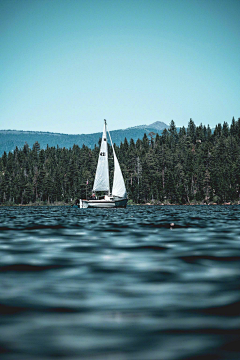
column 177, row 167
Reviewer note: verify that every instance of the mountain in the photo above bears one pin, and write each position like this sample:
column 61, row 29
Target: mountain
column 9, row 139
column 157, row 125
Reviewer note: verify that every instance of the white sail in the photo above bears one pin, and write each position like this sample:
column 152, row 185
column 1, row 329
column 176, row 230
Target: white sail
column 118, row 188
column 101, row 182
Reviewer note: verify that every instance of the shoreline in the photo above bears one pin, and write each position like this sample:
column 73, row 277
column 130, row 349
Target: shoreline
column 131, row 204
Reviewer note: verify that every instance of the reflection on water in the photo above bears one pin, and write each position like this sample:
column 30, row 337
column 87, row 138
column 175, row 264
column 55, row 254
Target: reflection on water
column 146, row 282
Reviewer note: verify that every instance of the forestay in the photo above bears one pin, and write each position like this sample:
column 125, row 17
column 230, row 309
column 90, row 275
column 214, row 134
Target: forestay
column 101, row 182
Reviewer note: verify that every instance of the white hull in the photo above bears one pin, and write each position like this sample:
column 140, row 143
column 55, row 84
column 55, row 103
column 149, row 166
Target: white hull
column 105, row 203
column 83, row 204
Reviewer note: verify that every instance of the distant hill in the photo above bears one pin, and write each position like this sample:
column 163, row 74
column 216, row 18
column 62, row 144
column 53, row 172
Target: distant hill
column 9, row 139
column 157, row 125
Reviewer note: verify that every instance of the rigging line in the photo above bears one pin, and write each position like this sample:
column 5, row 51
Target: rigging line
column 106, row 130
column 114, row 155
column 111, row 141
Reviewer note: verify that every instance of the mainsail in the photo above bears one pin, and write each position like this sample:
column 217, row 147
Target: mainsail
column 101, row 182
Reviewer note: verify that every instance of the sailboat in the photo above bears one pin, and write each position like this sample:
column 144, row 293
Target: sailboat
column 118, row 196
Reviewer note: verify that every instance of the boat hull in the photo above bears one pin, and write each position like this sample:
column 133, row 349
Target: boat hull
column 121, row 203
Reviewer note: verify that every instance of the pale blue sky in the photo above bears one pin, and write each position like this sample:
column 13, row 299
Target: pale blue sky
column 65, row 65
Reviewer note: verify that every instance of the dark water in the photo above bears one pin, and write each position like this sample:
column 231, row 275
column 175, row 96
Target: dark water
column 120, row 283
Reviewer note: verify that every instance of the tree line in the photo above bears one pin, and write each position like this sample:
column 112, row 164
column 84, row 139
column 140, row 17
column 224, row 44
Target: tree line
column 181, row 166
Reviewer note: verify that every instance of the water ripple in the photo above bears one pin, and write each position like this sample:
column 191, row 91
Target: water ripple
column 146, row 282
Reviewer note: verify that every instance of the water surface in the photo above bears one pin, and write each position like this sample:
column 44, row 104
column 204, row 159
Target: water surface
column 144, row 283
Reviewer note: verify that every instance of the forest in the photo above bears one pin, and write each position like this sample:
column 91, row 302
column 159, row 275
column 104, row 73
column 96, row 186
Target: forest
column 193, row 165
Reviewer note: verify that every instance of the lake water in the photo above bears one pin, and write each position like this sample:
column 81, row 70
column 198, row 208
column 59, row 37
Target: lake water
column 120, row 283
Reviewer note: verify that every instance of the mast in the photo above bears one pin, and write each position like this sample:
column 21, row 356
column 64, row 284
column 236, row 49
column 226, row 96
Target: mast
column 105, row 126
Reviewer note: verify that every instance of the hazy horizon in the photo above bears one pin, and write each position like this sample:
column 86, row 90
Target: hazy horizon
column 136, row 126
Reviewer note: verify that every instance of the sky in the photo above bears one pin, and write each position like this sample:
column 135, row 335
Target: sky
column 65, row 65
